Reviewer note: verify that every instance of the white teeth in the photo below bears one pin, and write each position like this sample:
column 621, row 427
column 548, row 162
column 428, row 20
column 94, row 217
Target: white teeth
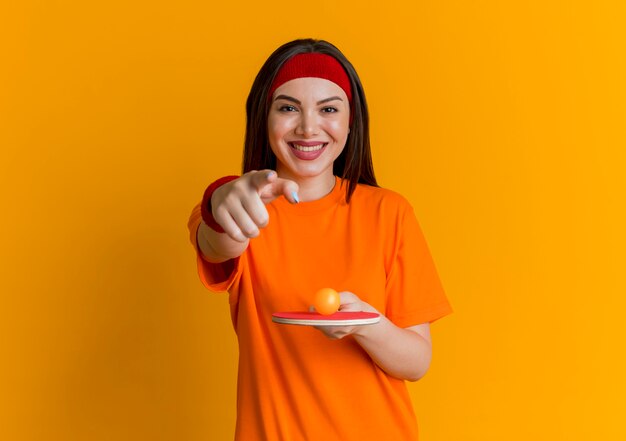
column 308, row 149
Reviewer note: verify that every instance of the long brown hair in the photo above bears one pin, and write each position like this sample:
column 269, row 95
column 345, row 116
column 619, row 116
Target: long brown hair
column 354, row 164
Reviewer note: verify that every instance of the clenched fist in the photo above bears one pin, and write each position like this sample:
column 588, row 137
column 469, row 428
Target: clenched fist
column 239, row 205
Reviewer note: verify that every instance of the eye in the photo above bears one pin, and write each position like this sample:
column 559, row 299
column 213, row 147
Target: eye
column 287, row 108
column 329, row 109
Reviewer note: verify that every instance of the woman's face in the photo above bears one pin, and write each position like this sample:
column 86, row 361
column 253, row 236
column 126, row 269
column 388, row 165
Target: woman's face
column 308, row 126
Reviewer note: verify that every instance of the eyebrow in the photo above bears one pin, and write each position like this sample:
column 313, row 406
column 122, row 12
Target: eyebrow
column 292, row 99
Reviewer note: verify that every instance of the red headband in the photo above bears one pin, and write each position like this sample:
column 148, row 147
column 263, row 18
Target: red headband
column 316, row 65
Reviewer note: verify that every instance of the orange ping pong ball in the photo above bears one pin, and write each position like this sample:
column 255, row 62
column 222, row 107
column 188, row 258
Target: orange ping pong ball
column 326, row 301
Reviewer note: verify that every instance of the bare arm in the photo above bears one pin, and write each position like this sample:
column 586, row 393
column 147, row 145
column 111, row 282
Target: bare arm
column 210, row 240
column 403, row 353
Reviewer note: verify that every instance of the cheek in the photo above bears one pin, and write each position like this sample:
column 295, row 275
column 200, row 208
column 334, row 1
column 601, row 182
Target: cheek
column 339, row 129
column 276, row 128
column 271, row 127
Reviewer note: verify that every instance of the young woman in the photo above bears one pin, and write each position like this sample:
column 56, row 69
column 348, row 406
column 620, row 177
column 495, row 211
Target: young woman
column 307, row 214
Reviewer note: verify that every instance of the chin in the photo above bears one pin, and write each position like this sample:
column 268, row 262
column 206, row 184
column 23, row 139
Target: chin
column 311, row 170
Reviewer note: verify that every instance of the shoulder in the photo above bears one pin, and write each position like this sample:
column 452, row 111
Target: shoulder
column 383, row 199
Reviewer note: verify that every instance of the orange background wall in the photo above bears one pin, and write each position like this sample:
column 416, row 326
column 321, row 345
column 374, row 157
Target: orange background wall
column 502, row 122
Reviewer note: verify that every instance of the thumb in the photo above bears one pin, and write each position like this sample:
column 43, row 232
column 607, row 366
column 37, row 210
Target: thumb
column 287, row 188
column 349, row 302
column 271, row 187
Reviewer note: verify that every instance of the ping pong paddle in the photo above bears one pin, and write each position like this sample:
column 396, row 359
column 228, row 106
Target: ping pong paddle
column 316, row 319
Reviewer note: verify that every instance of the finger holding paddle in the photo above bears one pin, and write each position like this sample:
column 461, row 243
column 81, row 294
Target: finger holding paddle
column 349, row 302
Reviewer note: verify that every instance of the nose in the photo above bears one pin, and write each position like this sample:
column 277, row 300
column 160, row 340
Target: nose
column 307, row 125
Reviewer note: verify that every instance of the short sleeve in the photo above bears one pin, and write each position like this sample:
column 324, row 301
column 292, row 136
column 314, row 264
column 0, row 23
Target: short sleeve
column 217, row 277
column 414, row 291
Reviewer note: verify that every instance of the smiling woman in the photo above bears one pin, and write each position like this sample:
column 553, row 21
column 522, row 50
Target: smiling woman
column 308, row 192
column 307, row 130
column 318, row 60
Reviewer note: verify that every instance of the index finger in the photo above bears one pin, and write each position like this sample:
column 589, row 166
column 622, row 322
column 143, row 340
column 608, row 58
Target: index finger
column 261, row 178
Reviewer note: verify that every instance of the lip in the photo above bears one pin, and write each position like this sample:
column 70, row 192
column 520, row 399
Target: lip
column 308, row 143
column 307, row 156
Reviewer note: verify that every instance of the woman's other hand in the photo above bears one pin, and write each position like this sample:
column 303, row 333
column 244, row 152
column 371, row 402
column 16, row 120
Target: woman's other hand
column 350, row 302
column 404, row 353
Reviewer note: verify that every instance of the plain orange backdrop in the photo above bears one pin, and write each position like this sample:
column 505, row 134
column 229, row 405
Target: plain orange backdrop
column 502, row 122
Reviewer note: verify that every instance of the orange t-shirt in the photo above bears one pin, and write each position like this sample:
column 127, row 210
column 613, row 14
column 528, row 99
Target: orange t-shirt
column 294, row 383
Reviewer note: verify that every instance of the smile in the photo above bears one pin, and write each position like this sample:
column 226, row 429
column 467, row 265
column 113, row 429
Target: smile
column 312, row 148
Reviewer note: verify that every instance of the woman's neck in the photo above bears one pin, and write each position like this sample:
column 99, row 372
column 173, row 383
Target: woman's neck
column 311, row 188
